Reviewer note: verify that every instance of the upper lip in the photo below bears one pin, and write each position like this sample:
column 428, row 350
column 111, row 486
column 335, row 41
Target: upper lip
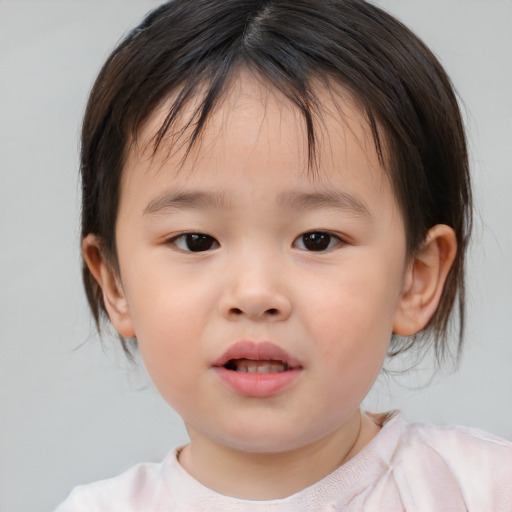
column 256, row 351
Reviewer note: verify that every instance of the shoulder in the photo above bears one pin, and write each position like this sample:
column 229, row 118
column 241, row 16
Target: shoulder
column 462, row 445
column 142, row 487
column 476, row 463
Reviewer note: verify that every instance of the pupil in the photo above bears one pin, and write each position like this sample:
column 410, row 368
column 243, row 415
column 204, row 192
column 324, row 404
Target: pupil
column 316, row 241
column 198, row 243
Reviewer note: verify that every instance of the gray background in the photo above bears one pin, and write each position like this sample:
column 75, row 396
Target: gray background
column 72, row 412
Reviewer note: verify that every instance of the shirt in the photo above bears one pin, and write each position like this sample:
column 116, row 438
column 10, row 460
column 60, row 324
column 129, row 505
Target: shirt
column 412, row 467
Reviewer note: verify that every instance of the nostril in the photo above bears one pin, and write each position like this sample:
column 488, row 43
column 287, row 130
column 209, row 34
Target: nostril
column 269, row 312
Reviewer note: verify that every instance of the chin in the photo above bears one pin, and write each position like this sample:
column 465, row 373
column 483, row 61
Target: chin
column 265, row 440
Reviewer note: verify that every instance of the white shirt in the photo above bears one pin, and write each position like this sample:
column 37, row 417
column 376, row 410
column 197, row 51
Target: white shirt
column 407, row 467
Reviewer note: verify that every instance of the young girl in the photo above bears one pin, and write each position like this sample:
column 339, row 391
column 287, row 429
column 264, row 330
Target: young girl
column 275, row 196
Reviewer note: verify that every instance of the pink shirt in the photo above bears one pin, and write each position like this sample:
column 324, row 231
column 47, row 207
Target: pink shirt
column 407, row 467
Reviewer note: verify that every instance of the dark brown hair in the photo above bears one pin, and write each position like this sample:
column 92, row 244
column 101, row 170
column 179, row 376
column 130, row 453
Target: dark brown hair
column 193, row 48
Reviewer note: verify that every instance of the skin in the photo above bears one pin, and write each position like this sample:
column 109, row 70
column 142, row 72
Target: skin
column 333, row 310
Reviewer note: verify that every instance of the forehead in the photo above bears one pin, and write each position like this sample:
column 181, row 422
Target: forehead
column 256, row 130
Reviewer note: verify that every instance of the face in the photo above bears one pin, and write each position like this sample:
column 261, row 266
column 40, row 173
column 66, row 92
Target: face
column 263, row 295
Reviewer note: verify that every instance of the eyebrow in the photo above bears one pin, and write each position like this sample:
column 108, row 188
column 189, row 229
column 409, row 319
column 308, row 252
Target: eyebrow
column 329, row 199
column 187, row 201
column 294, row 200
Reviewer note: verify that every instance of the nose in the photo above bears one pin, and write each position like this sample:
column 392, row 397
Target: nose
column 255, row 293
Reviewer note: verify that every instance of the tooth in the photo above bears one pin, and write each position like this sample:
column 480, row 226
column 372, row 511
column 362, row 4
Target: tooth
column 241, row 366
column 263, row 368
column 279, row 367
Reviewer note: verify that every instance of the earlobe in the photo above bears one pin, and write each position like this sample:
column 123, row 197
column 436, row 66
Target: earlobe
column 108, row 279
column 424, row 280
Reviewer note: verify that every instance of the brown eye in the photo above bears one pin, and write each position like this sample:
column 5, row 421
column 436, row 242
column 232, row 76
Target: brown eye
column 317, row 241
column 195, row 242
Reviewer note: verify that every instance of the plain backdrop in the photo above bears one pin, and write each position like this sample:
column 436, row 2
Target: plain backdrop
column 72, row 412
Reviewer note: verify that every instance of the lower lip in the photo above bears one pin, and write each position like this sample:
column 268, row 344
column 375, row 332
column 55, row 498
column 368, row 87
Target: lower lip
column 258, row 385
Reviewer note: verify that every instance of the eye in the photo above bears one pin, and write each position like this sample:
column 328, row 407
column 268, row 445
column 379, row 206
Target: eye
column 317, row 241
column 195, row 242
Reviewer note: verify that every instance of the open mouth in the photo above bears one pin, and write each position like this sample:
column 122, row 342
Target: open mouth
column 257, row 369
column 256, row 366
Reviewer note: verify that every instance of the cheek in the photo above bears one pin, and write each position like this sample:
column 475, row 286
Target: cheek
column 352, row 316
column 172, row 362
column 165, row 300
column 168, row 319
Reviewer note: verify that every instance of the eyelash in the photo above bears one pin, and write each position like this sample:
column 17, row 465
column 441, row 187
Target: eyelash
column 184, row 239
column 324, row 240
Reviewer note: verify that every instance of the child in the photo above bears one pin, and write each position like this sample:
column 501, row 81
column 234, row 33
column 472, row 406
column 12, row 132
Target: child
column 275, row 196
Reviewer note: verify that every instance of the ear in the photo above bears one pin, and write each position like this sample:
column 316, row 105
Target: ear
column 110, row 284
column 424, row 280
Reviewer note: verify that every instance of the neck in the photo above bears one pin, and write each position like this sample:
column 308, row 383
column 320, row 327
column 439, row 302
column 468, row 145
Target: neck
column 267, row 476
